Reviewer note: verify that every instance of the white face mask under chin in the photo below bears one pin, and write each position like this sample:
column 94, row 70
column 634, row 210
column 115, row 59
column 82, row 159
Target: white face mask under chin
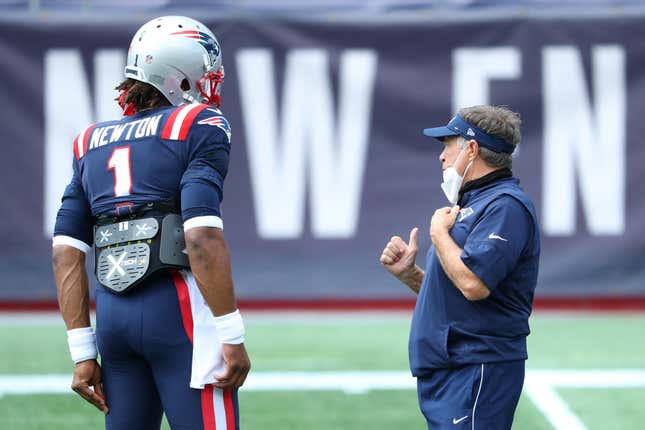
column 452, row 182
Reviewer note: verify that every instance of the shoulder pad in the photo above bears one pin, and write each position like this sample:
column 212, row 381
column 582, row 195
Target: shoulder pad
column 80, row 143
column 180, row 120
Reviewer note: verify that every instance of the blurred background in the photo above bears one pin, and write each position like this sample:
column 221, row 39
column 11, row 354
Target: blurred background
column 327, row 100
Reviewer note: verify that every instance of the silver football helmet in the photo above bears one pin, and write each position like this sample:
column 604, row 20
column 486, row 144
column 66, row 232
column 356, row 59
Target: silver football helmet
column 180, row 57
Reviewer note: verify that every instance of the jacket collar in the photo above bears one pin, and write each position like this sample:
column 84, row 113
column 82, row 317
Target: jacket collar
column 488, row 179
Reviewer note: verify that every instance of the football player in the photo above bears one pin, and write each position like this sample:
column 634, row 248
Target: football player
column 145, row 195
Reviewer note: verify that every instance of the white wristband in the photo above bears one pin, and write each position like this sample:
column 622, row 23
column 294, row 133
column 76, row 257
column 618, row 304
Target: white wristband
column 82, row 344
column 230, row 328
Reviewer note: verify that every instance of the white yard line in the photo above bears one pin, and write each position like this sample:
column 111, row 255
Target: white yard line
column 350, row 382
column 540, row 385
column 551, row 404
column 31, row 318
column 597, row 378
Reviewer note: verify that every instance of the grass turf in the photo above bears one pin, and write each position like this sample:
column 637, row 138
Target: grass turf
column 609, row 408
column 339, row 343
column 281, row 410
column 580, row 342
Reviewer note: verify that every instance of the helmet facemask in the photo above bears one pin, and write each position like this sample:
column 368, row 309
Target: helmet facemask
column 210, row 86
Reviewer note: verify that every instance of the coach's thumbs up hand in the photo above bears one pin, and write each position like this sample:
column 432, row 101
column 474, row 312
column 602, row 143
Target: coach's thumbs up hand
column 399, row 258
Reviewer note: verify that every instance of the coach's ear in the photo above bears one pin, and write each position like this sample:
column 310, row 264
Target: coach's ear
column 473, row 149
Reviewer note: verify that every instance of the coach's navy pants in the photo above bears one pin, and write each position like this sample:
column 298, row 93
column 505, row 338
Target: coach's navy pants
column 474, row 397
column 146, row 358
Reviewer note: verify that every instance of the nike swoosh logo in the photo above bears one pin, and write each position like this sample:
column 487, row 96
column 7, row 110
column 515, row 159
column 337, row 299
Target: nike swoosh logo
column 494, row 236
column 457, row 421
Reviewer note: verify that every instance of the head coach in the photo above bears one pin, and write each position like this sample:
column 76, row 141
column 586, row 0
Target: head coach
column 468, row 336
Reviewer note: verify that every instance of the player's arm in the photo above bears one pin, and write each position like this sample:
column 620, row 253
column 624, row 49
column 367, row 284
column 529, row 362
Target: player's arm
column 72, row 235
column 201, row 194
column 71, row 285
column 211, row 265
column 399, row 258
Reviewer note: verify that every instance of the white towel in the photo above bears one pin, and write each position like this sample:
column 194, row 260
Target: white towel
column 207, row 350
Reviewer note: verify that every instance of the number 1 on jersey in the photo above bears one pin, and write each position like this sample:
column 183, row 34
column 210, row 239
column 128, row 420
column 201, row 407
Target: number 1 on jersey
column 120, row 163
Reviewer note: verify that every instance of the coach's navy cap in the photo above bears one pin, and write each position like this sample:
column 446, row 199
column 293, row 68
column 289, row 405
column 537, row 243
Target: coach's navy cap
column 460, row 127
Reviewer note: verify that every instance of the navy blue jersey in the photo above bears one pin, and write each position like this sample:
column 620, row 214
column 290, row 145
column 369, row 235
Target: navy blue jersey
column 497, row 229
column 167, row 154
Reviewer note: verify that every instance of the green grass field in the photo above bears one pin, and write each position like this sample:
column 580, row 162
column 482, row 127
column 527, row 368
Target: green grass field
column 342, row 342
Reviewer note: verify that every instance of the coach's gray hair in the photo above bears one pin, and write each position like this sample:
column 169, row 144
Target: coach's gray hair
column 498, row 121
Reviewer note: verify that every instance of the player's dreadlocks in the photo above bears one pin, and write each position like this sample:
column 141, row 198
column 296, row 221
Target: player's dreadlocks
column 140, row 95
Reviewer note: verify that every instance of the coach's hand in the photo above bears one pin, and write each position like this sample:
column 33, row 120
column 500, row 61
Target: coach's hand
column 237, row 367
column 87, row 383
column 399, row 258
column 442, row 221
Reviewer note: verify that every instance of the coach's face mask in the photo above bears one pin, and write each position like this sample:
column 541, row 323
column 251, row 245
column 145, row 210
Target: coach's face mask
column 452, row 180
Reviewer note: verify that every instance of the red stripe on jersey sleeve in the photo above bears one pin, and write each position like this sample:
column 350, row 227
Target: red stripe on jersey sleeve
column 188, row 121
column 80, row 147
column 76, row 154
column 88, row 132
column 167, row 128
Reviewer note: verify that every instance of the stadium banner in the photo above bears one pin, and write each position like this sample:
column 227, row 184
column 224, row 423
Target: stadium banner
column 328, row 157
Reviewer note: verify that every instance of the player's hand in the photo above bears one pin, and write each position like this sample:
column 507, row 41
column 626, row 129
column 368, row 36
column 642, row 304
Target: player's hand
column 398, row 257
column 443, row 220
column 237, row 367
column 87, row 383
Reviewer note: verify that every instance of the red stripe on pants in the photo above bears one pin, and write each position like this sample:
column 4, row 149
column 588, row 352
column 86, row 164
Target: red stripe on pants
column 208, row 409
column 184, row 304
column 230, row 410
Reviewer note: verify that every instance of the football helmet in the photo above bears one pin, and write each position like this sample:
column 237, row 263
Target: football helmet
column 180, row 57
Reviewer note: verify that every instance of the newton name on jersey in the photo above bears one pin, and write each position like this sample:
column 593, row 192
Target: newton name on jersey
column 137, row 129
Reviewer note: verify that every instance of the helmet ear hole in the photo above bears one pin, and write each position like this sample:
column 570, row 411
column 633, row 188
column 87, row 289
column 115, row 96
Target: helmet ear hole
column 185, row 85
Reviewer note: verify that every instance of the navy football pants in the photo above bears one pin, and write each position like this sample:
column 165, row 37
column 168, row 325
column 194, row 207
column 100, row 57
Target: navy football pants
column 474, row 397
column 146, row 358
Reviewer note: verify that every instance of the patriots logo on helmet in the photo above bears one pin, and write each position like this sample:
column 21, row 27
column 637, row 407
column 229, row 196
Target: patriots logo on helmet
column 211, row 45
column 217, row 121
